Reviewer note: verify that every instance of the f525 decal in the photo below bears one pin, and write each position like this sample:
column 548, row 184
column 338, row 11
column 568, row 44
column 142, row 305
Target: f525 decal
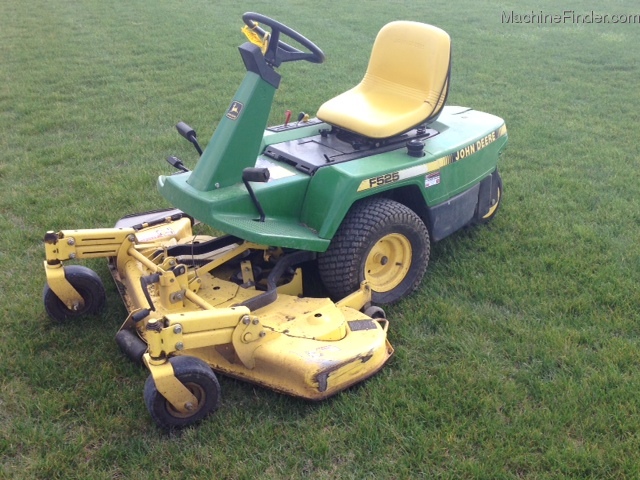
column 384, row 179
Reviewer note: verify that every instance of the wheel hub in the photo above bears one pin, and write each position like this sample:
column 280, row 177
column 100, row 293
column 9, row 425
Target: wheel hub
column 388, row 262
column 494, row 206
column 190, row 408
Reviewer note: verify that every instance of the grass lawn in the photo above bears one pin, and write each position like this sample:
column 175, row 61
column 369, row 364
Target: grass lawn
column 518, row 357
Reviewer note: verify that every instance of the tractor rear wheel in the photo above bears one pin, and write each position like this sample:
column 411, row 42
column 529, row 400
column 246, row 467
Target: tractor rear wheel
column 496, row 206
column 381, row 241
column 197, row 376
column 87, row 283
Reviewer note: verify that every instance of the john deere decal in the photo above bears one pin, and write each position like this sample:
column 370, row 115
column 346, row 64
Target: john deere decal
column 234, row 110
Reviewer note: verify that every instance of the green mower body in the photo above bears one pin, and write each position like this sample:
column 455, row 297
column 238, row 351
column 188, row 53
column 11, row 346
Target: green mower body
column 307, row 195
column 295, row 185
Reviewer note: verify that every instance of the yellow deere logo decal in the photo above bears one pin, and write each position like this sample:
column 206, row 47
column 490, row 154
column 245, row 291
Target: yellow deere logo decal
column 234, row 110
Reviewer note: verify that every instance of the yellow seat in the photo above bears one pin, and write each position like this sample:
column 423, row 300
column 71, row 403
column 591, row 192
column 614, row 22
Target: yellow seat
column 405, row 85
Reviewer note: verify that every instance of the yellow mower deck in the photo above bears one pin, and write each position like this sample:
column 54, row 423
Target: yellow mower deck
column 214, row 306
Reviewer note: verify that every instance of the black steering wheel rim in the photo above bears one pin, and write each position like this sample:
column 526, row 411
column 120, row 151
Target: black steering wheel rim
column 279, row 51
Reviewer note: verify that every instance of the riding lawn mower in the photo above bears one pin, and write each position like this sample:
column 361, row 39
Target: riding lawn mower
column 356, row 194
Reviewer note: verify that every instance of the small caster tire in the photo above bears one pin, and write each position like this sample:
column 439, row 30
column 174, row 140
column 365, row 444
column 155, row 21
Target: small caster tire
column 197, row 376
column 375, row 312
column 88, row 285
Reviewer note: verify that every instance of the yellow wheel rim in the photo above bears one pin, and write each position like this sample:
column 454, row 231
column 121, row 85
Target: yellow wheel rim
column 198, row 392
column 388, row 262
column 493, row 209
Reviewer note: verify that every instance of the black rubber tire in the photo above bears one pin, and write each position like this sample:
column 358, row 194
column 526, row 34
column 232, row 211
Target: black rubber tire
column 198, row 377
column 89, row 286
column 342, row 266
column 375, row 312
column 494, row 209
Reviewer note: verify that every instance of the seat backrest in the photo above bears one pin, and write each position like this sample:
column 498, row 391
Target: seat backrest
column 415, row 58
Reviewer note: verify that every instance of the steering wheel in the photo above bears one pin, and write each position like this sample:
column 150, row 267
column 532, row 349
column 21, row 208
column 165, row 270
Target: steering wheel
column 279, row 52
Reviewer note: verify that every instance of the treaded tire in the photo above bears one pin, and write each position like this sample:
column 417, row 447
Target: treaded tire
column 369, row 223
column 90, row 287
column 198, row 377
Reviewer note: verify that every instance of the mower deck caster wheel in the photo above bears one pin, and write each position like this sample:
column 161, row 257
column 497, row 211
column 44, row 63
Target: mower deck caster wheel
column 88, row 285
column 375, row 312
column 197, row 376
